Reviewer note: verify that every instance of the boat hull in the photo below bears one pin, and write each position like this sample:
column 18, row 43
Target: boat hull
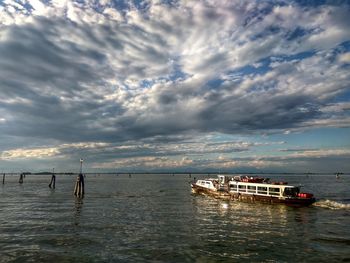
column 245, row 197
column 196, row 189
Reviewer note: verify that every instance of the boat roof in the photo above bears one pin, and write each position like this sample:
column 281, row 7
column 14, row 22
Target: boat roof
column 208, row 179
column 263, row 181
column 263, row 184
column 234, row 180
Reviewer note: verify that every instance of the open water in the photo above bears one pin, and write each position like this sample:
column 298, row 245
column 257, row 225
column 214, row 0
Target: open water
column 155, row 218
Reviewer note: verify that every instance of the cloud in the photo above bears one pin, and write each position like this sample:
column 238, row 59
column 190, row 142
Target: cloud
column 344, row 58
column 31, row 153
column 79, row 72
column 45, row 152
column 145, row 162
column 133, row 149
column 302, row 160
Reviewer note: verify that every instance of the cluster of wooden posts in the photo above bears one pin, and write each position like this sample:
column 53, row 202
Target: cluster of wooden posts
column 21, row 178
column 78, row 188
column 79, row 184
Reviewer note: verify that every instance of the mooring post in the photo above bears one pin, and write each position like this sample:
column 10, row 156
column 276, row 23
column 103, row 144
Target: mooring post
column 76, row 186
column 3, row 179
column 53, row 182
column 82, row 185
column 21, row 178
column 53, row 179
column 79, row 184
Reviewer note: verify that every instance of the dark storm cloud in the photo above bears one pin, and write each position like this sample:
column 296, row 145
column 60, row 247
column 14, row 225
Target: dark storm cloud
column 42, row 83
column 32, row 55
column 263, row 113
column 53, row 75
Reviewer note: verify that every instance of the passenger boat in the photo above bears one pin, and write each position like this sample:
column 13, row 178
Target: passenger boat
column 252, row 189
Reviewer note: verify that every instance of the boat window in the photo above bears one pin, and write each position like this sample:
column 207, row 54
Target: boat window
column 262, row 190
column 291, row 191
column 242, row 188
column 251, row 189
column 274, row 191
column 233, row 187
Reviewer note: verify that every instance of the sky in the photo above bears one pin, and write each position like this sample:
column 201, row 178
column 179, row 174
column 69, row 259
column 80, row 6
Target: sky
column 234, row 86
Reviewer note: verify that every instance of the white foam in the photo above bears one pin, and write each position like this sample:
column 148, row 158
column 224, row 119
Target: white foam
column 331, row 204
column 224, row 206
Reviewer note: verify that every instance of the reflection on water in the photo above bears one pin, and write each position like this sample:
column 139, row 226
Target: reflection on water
column 254, row 213
column 252, row 229
column 78, row 205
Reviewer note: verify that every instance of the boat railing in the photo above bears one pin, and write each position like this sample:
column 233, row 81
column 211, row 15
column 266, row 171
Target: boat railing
column 255, row 189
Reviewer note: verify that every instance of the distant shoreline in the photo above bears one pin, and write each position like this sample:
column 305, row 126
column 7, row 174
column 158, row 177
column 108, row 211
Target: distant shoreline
column 175, row 173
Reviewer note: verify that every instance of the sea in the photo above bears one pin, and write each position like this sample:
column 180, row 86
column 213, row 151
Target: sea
column 155, row 218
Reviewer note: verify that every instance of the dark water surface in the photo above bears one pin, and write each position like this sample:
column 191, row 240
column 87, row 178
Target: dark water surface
column 155, row 218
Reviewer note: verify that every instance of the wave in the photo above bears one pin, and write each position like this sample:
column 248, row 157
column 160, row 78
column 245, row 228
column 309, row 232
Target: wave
column 331, row 204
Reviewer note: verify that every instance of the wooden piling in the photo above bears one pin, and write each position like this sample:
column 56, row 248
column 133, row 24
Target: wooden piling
column 76, row 187
column 53, row 182
column 79, row 190
column 3, row 179
column 21, row 178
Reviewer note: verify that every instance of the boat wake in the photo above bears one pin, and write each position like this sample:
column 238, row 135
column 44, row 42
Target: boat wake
column 331, row 204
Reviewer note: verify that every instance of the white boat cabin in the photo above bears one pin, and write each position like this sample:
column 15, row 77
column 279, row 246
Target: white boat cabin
column 208, row 183
column 238, row 184
column 263, row 189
